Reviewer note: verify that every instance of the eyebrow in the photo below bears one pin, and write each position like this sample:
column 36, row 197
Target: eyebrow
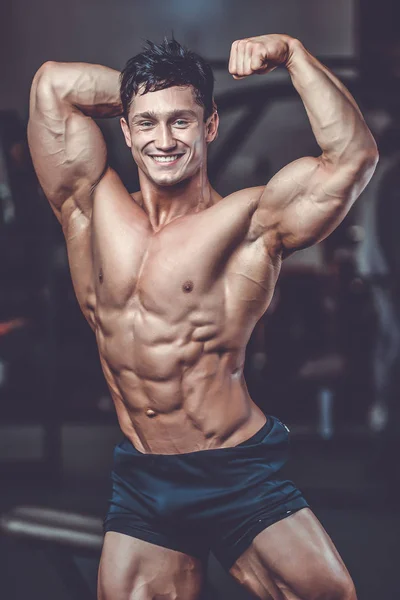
column 172, row 113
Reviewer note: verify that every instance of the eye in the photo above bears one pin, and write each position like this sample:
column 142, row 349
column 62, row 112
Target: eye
column 181, row 123
column 145, row 124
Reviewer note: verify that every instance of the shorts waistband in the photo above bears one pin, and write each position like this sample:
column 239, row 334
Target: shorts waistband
column 126, row 444
column 259, row 435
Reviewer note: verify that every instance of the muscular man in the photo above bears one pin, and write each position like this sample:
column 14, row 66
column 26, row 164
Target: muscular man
column 172, row 279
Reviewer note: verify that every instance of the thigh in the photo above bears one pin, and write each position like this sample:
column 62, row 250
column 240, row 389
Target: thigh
column 134, row 569
column 294, row 559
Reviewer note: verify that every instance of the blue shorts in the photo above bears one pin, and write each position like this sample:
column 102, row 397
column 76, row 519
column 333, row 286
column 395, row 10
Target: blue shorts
column 216, row 500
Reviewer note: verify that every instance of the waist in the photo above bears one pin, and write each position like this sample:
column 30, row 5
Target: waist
column 178, row 433
column 248, row 437
column 218, row 418
column 269, row 445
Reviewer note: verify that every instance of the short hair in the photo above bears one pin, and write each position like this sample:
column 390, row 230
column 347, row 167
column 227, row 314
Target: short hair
column 164, row 65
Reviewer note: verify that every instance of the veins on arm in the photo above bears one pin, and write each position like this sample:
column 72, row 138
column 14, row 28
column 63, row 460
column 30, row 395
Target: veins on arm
column 305, row 201
column 309, row 198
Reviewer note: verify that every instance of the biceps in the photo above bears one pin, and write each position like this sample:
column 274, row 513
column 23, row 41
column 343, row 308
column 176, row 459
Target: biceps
column 68, row 149
column 310, row 198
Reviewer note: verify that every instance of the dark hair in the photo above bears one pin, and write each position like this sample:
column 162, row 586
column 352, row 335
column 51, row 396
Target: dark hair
column 164, row 65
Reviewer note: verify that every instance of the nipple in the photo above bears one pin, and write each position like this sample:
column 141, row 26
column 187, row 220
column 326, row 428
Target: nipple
column 150, row 413
column 187, row 286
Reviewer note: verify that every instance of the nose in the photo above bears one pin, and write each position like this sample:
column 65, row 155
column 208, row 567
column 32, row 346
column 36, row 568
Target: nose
column 165, row 140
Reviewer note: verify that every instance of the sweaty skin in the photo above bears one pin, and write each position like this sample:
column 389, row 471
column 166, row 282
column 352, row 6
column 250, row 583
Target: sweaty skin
column 173, row 279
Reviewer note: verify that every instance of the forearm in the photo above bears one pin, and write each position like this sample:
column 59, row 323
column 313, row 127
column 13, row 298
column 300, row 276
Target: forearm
column 335, row 118
column 93, row 89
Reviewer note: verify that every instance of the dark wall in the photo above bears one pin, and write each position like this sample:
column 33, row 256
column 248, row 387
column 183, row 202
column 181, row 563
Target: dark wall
column 379, row 37
column 109, row 32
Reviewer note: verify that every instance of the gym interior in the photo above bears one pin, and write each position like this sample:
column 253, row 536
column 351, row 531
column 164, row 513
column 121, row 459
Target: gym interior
column 325, row 358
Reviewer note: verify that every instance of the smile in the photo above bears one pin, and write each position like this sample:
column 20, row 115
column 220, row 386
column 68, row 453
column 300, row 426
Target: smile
column 173, row 158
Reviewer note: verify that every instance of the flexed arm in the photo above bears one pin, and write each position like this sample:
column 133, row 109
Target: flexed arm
column 307, row 199
column 67, row 147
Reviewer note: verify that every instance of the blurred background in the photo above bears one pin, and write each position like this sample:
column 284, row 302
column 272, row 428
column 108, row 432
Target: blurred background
column 325, row 358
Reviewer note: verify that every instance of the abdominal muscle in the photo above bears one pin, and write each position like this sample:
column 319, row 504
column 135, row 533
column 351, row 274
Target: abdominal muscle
column 177, row 400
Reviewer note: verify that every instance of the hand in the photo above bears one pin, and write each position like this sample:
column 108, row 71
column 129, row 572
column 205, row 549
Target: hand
column 260, row 54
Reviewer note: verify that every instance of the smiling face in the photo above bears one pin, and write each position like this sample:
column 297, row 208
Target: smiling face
column 167, row 134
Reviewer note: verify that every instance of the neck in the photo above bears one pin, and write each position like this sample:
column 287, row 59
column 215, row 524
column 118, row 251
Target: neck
column 163, row 204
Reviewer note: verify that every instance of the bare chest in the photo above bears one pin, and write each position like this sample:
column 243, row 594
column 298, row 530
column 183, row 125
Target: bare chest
column 196, row 270
column 197, row 265
column 179, row 276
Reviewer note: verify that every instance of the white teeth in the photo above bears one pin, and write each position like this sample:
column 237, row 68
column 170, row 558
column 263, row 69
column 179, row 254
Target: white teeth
column 165, row 158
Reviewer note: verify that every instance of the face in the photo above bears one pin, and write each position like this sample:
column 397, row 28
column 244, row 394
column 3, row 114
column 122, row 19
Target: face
column 167, row 134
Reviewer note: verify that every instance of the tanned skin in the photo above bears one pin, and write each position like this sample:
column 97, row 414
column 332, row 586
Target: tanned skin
column 172, row 280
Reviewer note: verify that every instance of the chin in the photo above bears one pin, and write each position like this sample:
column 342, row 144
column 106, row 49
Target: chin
column 169, row 181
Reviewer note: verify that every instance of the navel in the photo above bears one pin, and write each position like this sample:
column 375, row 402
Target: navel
column 101, row 275
column 150, row 413
column 187, row 286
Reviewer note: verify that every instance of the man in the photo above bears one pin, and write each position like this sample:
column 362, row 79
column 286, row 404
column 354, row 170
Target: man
column 173, row 279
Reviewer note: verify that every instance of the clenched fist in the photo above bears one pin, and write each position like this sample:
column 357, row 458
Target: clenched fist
column 260, row 54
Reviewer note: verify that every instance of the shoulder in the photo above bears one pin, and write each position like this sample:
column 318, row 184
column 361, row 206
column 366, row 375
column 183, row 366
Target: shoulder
column 248, row 196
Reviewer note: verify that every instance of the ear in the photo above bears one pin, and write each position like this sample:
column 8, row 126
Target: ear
column 126, row 132
column 212, row 124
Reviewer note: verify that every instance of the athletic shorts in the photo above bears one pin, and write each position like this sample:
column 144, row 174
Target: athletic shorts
column 209, row 500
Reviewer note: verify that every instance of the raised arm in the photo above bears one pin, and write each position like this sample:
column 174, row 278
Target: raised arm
column 306, row 200
column 67, row 147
